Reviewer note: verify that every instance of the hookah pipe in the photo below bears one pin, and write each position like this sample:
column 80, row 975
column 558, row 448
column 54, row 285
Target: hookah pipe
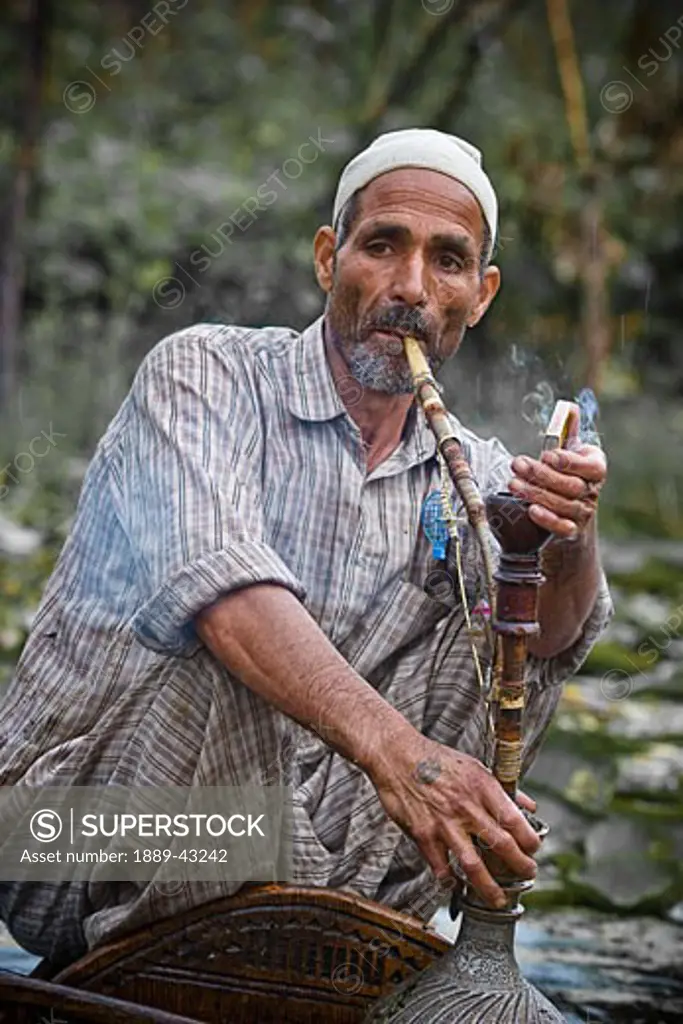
column 518, row 579
column 514, row 601
column 478, row 981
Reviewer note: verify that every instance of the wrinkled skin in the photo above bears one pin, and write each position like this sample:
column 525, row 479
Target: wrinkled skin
column 409, row 265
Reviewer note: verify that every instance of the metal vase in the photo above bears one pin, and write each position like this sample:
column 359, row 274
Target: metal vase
column 479, row 980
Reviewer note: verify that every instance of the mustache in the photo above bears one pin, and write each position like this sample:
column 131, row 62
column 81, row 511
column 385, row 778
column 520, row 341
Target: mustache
column 401, row 320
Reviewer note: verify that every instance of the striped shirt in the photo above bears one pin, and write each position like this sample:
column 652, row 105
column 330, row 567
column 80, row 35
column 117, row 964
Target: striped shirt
column 233, row 461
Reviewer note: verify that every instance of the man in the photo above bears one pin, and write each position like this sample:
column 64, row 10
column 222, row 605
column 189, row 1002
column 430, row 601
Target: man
column 242, row 595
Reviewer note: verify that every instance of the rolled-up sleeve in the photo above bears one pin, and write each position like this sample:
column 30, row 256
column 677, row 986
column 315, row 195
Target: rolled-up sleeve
column 188, row 472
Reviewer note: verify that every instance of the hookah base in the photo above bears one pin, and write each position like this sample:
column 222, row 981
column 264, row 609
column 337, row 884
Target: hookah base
column 478, row 981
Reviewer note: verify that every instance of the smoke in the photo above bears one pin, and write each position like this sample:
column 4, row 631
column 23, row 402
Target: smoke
column 588, row 404
column 513, row 397
column 537, row 409
column 537, row 405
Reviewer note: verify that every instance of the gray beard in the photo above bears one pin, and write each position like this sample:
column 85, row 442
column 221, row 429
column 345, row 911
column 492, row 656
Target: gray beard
column 379, row 372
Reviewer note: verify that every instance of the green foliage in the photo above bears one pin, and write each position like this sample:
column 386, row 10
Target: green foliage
column 656, row 576
column 162, row 143
column 607, row 655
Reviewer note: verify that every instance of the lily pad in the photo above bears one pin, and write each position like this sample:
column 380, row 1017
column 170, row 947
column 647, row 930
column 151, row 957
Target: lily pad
column 627, row 867
column 655, row 773
column 607, row 655
column 17, row 541
column 567, row 827
column 648, row 610
column 573, row 779
column 656, row 576
column 641, row 720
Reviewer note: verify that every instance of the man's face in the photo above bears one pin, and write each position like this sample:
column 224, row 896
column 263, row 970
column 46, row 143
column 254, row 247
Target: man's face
column 410, row 265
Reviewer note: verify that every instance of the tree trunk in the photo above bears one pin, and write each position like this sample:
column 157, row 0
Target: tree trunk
column 12, row 276
column 595, row 312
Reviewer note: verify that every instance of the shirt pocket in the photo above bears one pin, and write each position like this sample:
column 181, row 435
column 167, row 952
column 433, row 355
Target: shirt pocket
column 466, row 563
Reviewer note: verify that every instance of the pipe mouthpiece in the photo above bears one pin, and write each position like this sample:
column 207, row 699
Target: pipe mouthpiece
column 417, row 360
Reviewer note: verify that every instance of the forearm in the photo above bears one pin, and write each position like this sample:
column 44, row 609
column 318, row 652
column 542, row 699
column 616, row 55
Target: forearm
column 269, row 641
column 438, row 796
column 572, row 571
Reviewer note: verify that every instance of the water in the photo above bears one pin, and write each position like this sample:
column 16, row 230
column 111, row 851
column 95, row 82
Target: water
column 598, row 967
column 13, row 957
column 625, row 971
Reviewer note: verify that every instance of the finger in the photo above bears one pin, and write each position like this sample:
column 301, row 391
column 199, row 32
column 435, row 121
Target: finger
column 435, row 853
column 574, row 444
column 588, row 462
column 525, row 801
column 569, row 485
column 493, row 837
column 565, row 528
column 579, row 512
column 474, row 868
column 507, row 816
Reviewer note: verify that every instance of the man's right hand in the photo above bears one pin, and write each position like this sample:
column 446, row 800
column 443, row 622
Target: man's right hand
column 299, row 672
column 442, row 798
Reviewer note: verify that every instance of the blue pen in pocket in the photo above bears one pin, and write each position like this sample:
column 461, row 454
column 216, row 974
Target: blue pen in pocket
column 435, row 526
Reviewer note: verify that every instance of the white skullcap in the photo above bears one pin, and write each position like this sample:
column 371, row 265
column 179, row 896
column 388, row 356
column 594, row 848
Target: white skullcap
column 420, row 147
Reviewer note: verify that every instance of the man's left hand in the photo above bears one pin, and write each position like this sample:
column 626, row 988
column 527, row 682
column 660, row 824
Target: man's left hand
column 563, row 487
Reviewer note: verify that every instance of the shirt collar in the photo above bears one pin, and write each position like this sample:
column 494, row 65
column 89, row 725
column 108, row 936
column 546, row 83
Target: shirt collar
column 313, row 396
column 312, row 391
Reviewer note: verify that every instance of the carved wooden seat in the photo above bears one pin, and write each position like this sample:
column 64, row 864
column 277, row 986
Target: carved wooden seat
column 29, row 1001
column 269, row 955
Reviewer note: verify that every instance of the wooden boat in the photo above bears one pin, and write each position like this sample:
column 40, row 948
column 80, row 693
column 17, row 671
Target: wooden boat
column 269, row 955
